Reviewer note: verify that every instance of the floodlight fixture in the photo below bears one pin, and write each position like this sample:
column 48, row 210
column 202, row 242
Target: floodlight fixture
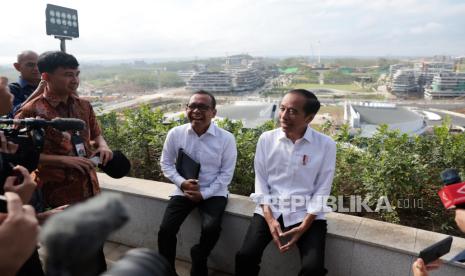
column 62, row 23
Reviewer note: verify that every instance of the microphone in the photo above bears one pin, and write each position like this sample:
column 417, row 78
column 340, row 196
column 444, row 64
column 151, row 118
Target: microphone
column 453, row 192
column 119, row 166
column 61, row 124
column 74, row 237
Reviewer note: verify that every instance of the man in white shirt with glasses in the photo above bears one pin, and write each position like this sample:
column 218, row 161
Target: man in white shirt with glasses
column 294, row 169
column 215, row 149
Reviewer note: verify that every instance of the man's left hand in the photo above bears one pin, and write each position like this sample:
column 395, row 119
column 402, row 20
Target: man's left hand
column 105, row 154
column 294, row 234
column 419, row 268
column 195, row 196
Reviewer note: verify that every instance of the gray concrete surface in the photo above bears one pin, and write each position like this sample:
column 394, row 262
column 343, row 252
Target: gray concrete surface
column 355, row 246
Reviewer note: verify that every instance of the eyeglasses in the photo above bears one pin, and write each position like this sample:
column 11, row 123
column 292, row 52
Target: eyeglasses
column 201, row 107
column 30, row 64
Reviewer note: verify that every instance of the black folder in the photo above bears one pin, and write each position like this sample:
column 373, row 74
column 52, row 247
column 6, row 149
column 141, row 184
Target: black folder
column 186, row 166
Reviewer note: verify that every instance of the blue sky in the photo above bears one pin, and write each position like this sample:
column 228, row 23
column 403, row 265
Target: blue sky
column 203, row 28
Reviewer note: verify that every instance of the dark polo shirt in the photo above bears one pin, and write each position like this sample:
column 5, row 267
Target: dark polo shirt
column 21, row 90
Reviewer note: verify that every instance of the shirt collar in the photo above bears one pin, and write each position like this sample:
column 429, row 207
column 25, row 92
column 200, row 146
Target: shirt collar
column 281, row 134
column 22, row 82
column 211, row 129
column 54, row 100
column 307, row 135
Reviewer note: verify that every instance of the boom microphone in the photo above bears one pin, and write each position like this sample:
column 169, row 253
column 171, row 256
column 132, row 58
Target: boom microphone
column 61, row 124
column 74, row 237
column 453, row 193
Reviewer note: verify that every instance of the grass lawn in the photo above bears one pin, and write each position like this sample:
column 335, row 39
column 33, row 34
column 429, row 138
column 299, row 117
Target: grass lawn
column 337, row 112
column 345, row 87
column 99, row 83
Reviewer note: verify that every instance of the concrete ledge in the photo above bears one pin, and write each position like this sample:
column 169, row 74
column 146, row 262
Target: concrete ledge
column 355, row 246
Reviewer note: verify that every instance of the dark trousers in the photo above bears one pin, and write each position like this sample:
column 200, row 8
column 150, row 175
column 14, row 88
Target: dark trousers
column 311, row 247
column 211, row 212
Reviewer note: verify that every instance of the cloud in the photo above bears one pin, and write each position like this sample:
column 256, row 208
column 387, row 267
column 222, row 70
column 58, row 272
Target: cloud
column 428, row 28
column 187, row 28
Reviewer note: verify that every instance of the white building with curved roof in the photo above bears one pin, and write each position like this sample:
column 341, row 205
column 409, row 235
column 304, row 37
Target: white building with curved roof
column 368, row 116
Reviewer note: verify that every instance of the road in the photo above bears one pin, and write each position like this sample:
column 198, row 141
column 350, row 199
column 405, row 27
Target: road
column 174, row 93
column 456, row 119
column 163, row 94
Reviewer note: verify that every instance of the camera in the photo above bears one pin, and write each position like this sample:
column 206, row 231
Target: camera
column 30, row 141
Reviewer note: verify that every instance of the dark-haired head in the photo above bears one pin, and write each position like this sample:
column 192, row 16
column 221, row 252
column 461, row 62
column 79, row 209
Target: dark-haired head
column 50, row 61
column 212, row 98
column 296, row 111
column 312, row 104
column 201, row 110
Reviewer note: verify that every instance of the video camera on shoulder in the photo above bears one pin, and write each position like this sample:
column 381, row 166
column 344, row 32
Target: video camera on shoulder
column 30, row 141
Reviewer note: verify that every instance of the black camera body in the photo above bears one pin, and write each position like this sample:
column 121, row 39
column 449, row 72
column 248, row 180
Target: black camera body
column 30, row 143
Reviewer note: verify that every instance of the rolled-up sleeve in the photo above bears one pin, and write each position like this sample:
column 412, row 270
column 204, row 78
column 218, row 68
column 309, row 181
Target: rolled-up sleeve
column 317, row 204
column 226, row 173
column 168, row 160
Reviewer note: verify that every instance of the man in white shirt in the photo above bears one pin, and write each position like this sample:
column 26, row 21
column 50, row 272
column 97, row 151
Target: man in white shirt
column 215, row 149
column 294, row 169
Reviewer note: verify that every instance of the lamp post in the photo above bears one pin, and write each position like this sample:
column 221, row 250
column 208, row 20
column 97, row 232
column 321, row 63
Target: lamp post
column 62, row 23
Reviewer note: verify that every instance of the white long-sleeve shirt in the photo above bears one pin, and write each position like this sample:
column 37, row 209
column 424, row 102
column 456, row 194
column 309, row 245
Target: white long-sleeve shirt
column 215, row 150
column 294, row 179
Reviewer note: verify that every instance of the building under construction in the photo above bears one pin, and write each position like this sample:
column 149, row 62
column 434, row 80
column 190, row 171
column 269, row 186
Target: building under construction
column 211, row 81
column 425, row 72
column 239, row 75
column 404, row 82
column 407, row 81
column 446, row 85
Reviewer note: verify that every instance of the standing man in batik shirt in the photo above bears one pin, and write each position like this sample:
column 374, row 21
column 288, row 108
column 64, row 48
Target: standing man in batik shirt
column 65, row 173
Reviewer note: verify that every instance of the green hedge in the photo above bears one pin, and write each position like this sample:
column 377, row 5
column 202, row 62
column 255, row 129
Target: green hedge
column 389, row 164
